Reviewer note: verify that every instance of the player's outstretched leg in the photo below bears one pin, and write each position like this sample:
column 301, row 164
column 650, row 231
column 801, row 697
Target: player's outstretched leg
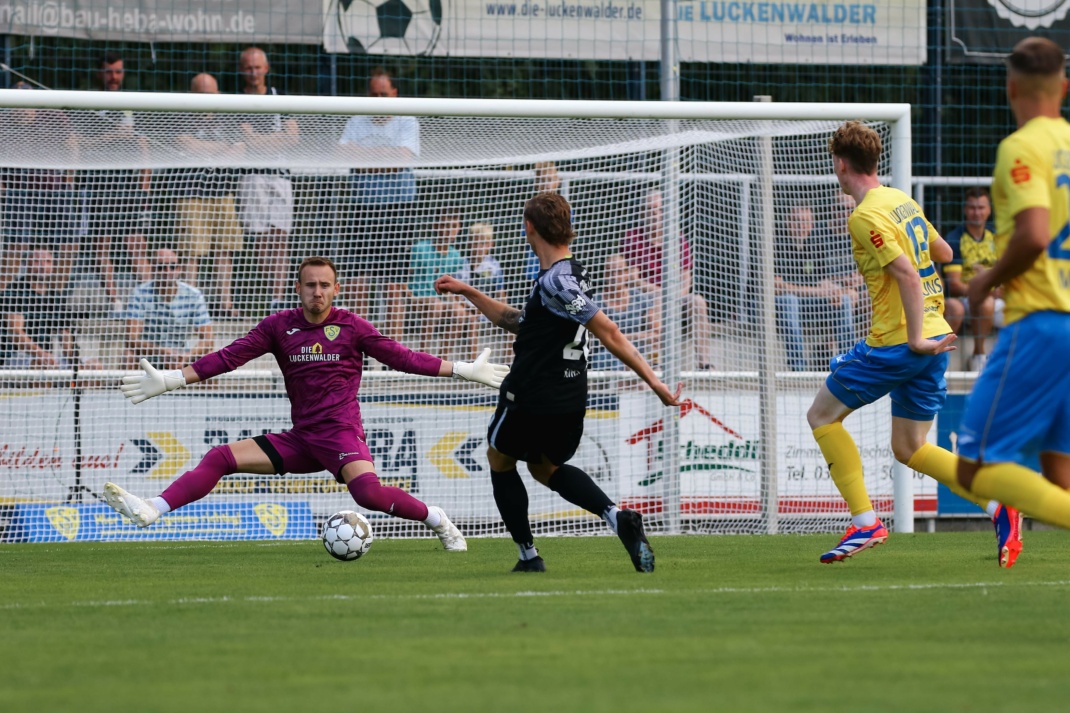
column 370, row 494
column 631, row 533
column 511, row 497
column 451, row 538
column 197, row 483
column 1008, row 524
column 579, row 488
column 855, row 540
column 140, row 512
column 845, row 468
column 942, row 466
column 190, row 486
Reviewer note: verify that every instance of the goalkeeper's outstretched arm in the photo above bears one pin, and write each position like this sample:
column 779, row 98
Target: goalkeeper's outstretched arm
column 399, row 357
column 153, row 382
column 618, row 345
column 499, row 313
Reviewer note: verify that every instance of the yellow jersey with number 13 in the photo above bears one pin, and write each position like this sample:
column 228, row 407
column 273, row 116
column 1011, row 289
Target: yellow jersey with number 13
column 1033, row 171
column 887, row 224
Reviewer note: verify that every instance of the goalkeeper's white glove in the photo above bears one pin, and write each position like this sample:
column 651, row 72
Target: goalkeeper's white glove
column 481, row 371
column 152, row 383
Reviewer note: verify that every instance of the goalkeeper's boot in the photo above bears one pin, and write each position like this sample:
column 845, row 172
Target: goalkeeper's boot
column 855, row 540
column 1008, row 522
column 140, row 512
column 451, row 538
column 630, row 531
column 535, row 564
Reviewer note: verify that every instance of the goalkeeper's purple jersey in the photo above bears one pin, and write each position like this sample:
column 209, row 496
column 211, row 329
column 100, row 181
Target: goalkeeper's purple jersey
column 321, row 363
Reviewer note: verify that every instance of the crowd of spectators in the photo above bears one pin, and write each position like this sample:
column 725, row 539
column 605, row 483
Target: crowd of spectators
column 389, row 247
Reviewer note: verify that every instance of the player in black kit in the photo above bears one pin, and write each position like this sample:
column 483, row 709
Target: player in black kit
column 543, row 400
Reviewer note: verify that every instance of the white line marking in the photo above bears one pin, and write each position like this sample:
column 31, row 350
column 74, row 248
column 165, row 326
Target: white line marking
column 533, row 593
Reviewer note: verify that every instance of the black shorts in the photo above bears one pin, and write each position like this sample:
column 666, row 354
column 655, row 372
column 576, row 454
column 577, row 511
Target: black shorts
column 530, row 436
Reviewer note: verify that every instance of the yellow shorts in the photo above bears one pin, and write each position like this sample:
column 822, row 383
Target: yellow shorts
column 208, row 225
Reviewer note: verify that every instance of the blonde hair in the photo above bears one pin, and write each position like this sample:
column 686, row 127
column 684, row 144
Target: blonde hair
column 481, row 230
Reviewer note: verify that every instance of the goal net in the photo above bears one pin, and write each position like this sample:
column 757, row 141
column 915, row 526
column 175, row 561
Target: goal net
column 165, row 227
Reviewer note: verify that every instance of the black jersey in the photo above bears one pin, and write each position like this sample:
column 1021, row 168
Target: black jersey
column 549, row 373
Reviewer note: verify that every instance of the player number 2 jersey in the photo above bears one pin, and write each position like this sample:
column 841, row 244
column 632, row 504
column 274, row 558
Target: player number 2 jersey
column 549, row 373
column 1033, row 171
column 887, row 224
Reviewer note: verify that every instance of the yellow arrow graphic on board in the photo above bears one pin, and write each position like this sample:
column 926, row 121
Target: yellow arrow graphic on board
column 175, row 455
column 441, row 454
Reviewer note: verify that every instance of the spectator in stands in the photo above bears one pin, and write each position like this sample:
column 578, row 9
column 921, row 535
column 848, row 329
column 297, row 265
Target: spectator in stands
column 167, row 320
column 38, row 204
column 265, row 196
column 207, row 220
column 439, row 315
column 483, row 272
column 547, row 179
column 382, row 150
column 35, row 329
column 973, row 247
column 115, row 199
column 623, row 300
column 808, row 292
column 841, row 262
column 642, row 249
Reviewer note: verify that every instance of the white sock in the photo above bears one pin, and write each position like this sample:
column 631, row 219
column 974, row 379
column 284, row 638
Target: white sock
column 991, row 508
column 610, row 516
column 434, row 519
column 527, row 552
column 160, row 504
column 864, row 519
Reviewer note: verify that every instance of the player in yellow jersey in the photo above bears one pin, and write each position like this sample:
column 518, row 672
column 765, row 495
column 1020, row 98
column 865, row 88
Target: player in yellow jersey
column 906, row 352
column 1020, row 405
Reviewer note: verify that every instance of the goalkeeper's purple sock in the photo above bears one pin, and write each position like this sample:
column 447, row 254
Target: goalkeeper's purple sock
column 195, row 484
column 370, row 494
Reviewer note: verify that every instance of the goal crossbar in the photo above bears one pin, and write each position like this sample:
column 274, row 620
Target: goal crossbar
column 408, row 106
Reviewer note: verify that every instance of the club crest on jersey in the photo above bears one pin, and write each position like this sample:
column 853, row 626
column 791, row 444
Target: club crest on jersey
column 331, row 331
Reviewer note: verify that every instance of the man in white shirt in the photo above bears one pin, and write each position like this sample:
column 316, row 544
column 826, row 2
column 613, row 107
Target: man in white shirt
column 382, row 150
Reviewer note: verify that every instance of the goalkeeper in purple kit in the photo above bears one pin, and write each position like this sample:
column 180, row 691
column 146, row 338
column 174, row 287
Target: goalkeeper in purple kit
column 320, row 350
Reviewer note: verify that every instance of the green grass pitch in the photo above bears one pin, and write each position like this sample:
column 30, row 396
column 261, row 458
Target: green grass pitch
column 927, row 622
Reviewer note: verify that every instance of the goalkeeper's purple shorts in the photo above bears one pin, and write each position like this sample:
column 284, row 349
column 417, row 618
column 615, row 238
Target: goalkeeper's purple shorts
column 327, row 447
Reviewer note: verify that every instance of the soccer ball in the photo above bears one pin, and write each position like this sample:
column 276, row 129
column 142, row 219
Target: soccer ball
column 347, row 535
column 394, row 27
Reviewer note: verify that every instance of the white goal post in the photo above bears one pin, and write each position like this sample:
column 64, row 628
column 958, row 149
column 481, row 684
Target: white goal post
column 101, row 181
